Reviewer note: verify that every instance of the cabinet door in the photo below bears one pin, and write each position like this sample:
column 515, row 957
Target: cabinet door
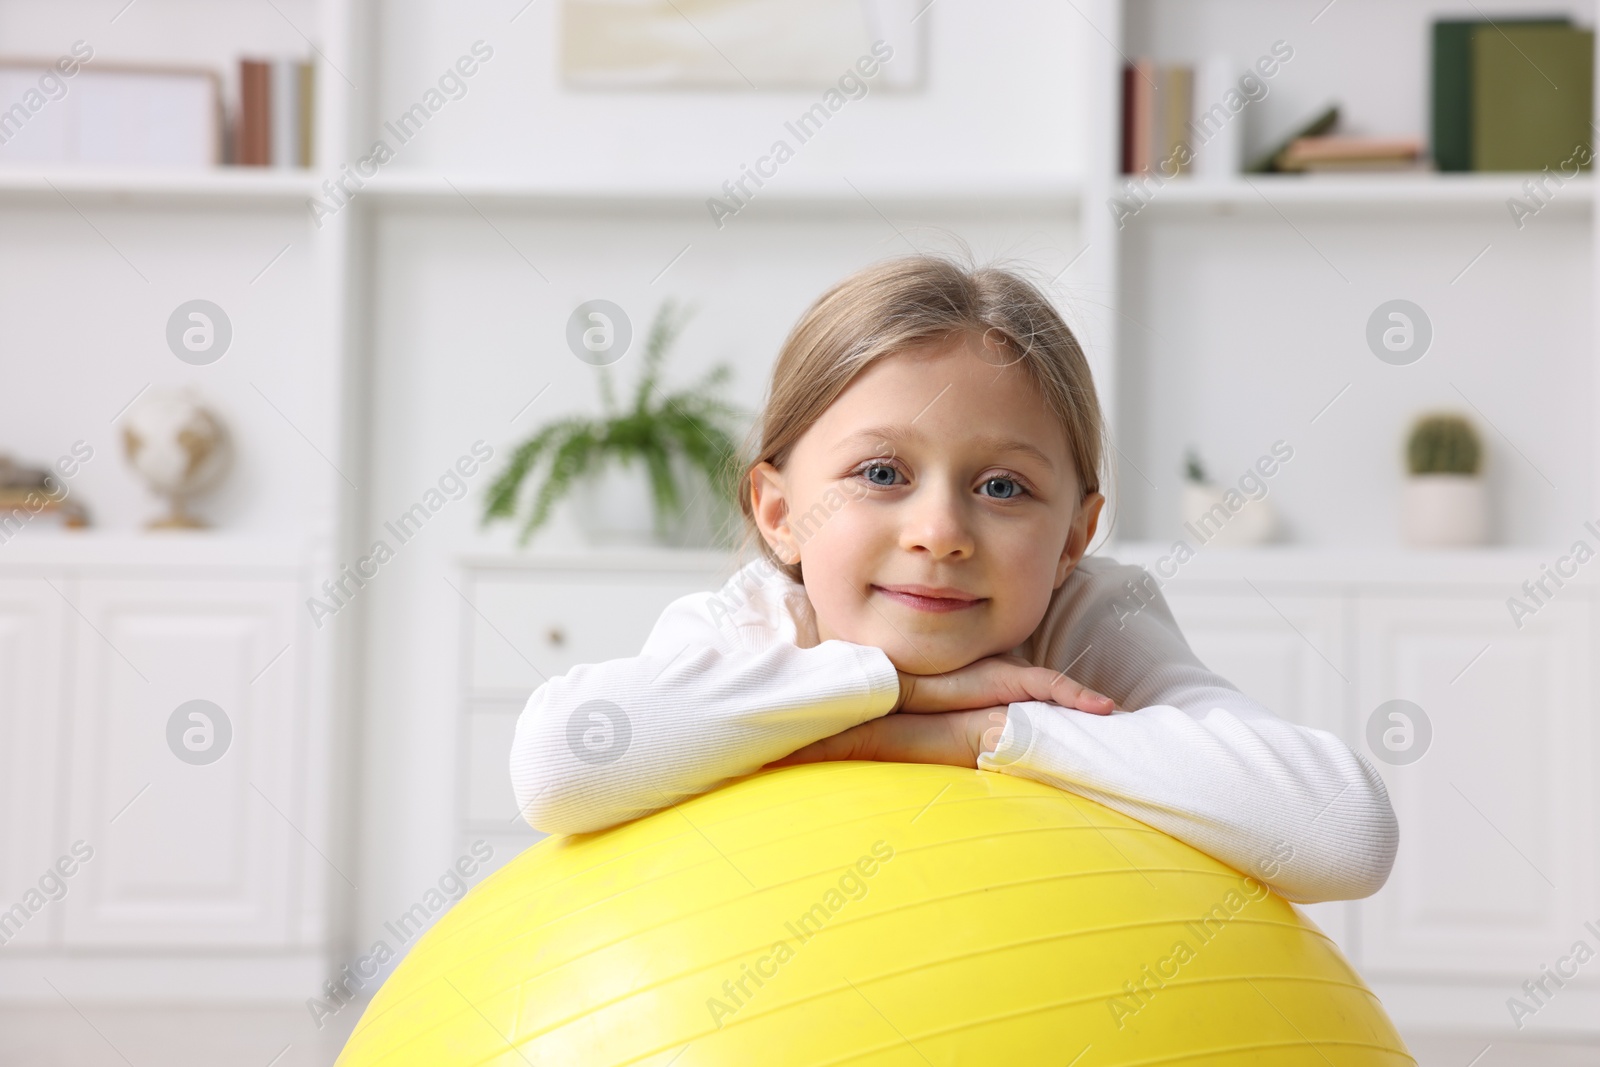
column 187, row 852
column 32, row 614
column 1285, row 650
column 1497, row 824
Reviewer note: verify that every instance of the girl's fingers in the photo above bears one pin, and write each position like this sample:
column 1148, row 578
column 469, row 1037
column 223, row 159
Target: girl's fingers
column 990, row 681
column 999, row 680
column 1069, row 693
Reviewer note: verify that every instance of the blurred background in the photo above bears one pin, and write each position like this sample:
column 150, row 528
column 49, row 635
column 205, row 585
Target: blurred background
column 295, row 294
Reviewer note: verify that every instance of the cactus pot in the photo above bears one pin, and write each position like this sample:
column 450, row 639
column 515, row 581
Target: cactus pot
column 1445, row 511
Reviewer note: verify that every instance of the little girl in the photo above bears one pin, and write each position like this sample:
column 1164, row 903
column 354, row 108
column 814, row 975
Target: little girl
column 926, row 484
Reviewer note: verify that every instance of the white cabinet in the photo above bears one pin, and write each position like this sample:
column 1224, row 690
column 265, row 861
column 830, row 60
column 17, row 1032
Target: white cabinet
column 186, row 854
column 208, row 875
column 1498, row 831
column 32, row 668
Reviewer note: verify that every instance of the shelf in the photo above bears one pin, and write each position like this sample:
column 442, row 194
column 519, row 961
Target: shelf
column 1502, row 567
column 1267, row 193
column 235, row 185
column 425, row 188
column 103, row 548
column 252, row 185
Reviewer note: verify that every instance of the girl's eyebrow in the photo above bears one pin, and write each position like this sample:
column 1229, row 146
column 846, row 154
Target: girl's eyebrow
column 893, row 436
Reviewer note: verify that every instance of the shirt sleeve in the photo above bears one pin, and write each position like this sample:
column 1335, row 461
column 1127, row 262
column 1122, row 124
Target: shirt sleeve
column 1197, row 759
column 706, row 700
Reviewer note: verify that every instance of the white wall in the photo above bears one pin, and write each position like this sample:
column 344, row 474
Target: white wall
column 997, row 104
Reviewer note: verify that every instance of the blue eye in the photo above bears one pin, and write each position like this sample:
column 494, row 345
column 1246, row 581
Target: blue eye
column 1002, row 488
column 880, row 474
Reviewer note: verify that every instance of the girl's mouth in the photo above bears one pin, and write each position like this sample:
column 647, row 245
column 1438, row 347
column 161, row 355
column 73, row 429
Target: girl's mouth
column 930, row 598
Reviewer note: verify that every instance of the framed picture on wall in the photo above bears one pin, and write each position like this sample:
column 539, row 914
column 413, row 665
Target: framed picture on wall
column 736, row 44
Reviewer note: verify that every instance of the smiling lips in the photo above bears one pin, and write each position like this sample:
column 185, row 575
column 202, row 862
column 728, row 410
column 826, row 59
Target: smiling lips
column 930, row 598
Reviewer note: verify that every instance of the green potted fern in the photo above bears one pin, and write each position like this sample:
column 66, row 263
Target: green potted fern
column 660, row 470
column 1446, row 503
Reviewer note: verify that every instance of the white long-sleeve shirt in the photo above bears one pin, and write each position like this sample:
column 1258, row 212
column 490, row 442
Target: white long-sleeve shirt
column 729, row 681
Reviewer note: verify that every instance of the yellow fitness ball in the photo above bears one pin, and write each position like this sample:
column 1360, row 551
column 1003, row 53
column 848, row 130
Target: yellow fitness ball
column 874, row 914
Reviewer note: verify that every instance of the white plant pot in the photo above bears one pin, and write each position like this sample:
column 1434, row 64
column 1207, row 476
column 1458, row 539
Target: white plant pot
column 1445, row 511
column 615, row 507
column 1209, row 521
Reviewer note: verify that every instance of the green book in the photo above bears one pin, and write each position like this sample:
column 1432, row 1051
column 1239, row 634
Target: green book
column 1452, row 85
column 1532, row 96
column 1267, row 162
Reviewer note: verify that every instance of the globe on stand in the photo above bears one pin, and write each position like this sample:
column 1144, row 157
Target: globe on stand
column 180, row 448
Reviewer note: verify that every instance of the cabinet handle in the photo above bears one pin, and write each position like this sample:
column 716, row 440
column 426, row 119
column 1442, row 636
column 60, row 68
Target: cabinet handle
column 556, row 636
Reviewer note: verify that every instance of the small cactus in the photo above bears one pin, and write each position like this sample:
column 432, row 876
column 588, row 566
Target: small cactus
column 1443, row 444
column 1192, row 469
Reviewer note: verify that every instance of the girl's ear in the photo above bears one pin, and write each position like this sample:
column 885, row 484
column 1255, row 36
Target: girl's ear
column 1082, row 532
column 771, row 510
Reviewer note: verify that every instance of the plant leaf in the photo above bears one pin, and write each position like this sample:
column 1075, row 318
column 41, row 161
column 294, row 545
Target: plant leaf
column 574, row 457
column 665, row 328
column 663, row 486
column 502, row 495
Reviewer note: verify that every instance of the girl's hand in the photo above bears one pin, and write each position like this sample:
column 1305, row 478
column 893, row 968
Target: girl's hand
column 997, row 680
column 951, row 737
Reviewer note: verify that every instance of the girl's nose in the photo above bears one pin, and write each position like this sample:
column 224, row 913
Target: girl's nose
column 936, row 523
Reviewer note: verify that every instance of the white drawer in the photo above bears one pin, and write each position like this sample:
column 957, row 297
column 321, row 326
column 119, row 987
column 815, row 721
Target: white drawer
column 527, row 627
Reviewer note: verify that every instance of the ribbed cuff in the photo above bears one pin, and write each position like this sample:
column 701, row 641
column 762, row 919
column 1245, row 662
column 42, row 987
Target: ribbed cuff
column 1016, row 742
column 882, row 679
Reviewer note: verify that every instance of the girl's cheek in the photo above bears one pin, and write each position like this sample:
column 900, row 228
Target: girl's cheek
column 853, row 489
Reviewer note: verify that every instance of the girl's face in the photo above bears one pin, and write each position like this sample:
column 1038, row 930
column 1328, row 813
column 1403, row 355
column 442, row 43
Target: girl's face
column 933, row 507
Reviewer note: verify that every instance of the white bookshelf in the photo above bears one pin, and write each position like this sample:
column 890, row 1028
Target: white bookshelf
column 411, row 323
column 1226, row 289
column 95, row 261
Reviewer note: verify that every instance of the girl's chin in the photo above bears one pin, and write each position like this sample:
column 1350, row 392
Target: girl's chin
column 923, row 653
column 930, row 659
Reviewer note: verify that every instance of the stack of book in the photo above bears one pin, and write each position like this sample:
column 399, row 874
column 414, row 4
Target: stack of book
column 1512, row 94
column 1156, row 105
column 1315, row 148
column 1344, row 153
column 273, row 125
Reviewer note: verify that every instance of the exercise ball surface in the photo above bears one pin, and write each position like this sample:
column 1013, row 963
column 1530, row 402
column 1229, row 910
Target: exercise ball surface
column 874, row 915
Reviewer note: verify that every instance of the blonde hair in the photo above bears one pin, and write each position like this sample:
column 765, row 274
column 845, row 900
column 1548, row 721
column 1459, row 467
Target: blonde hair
column 914, row 300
